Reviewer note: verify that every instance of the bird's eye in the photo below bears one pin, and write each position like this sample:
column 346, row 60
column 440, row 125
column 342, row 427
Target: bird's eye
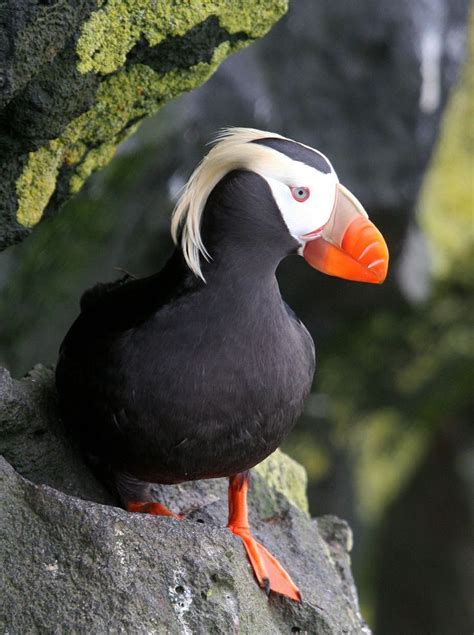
column 300, row 194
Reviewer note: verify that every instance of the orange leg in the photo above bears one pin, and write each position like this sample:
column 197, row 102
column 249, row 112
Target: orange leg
column 269, row 573
column 157, row 509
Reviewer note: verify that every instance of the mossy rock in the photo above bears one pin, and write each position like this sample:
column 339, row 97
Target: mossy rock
column 80, row 76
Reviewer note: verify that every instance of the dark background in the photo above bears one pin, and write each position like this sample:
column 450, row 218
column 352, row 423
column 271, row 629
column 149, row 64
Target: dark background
column 386, row 436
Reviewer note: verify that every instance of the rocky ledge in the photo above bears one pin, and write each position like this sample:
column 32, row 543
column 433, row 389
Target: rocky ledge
column 74, row 562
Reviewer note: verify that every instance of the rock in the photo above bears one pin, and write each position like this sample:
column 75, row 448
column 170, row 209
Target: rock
column 33, row 441
column 77, row 77
column 74, row 562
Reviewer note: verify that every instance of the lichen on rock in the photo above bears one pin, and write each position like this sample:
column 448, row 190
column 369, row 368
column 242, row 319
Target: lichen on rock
column 89, row 141
column 112, row 31
column 286, row 477
column 81, row 98
column 36, row 183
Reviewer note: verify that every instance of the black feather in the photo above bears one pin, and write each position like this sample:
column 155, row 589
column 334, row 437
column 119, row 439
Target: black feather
column 168, row 378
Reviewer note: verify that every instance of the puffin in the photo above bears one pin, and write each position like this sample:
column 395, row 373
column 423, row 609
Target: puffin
column 201, row 370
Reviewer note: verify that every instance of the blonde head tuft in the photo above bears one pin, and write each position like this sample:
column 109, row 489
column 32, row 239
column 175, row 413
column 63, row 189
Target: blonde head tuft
column 232, row 151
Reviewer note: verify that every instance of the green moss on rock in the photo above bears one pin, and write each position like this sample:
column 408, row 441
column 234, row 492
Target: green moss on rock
column 196, row 37
column 283, row 476
column 112, row 31
column 37, row 183
column 89, row 141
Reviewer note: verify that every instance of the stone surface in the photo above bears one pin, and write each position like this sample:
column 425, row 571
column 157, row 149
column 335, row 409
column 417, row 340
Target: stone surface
column 74, row 562
column 77, row 77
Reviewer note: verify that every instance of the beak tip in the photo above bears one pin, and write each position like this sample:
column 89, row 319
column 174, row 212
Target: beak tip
column 381, row 275
column 352, row 247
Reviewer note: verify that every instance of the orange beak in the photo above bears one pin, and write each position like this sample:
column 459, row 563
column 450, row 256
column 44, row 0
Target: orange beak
column 349, row 246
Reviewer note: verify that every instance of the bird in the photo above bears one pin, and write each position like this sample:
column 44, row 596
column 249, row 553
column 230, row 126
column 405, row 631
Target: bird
column 201, row 370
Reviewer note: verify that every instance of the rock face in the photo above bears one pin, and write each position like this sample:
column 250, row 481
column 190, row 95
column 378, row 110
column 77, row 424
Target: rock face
column 73, row 562
column 76, row 77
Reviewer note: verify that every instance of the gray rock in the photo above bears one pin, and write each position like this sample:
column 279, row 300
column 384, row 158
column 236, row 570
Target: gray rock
column 74, row 562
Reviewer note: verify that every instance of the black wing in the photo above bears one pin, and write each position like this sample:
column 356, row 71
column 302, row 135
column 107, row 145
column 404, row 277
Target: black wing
column 108, row 309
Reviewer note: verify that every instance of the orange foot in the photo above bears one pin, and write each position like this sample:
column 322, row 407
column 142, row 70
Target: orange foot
column 270, row 575
column 157, row 509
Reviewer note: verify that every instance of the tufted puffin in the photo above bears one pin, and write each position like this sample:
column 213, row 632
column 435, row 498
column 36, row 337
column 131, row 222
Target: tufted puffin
column 201, row 370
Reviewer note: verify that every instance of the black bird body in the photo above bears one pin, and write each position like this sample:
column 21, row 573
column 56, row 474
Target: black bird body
column 170, row 378
column 201, row 370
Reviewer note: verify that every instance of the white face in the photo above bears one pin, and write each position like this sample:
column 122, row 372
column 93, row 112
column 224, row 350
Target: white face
column 305, row 198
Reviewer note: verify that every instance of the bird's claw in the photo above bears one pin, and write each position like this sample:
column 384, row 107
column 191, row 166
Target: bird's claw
column 266, row 585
